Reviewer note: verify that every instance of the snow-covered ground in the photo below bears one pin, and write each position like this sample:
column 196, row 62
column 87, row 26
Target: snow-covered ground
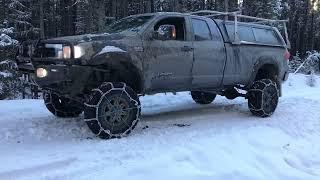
column 176, row 139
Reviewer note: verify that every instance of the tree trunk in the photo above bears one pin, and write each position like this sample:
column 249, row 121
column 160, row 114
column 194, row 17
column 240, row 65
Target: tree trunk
column 100, row 15
column 152, row 6
column 312, row 24
column 41, row 20
column 226, row 8
column 304, row 27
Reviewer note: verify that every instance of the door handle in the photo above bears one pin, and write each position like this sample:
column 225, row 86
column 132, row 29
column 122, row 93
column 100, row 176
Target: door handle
column 186, row 48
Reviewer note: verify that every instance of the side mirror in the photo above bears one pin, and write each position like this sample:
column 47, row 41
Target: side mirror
column 166, row 32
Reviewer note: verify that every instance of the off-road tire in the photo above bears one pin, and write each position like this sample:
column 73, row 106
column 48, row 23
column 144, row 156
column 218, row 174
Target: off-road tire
column 203, row 97
column 112, row 110
column 263, row 98
column 61, row 106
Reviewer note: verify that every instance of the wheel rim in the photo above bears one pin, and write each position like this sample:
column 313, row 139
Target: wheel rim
column 116, row 111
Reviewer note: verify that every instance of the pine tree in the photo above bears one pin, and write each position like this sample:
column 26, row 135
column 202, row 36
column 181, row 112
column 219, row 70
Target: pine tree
column 260, row 8
column 211, row 5
column 284, row 9
column 226, row 5
column 81, row 19
column 9, row 82
column 20, row 18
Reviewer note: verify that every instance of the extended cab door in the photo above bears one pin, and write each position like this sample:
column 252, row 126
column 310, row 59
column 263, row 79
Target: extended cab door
column 209, row 54
column 168, row 63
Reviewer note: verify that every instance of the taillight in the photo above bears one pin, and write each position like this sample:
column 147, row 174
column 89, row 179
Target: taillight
column 287, row 55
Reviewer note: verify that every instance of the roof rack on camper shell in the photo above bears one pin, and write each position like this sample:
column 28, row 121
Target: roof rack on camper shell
column 237, row 18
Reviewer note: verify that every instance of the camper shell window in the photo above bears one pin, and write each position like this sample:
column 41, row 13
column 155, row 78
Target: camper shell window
column 259, row 35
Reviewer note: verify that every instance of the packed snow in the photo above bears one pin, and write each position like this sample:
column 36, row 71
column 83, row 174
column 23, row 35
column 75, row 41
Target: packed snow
column 176, row 139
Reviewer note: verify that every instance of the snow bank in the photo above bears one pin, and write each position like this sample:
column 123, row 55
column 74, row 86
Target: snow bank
column 176, row 139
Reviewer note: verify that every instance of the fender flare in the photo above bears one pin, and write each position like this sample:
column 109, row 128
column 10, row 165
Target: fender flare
column 264, row 60
column 120, row 59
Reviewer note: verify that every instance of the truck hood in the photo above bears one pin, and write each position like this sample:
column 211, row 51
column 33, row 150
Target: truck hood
column 94, row 45
column 92, row 37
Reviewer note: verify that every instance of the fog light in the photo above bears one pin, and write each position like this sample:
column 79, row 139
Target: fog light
column 41, row 72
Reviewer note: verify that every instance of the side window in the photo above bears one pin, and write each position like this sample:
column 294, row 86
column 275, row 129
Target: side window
column 215, row 31
column 178, row 22
column 245, row 32
column 266, row 36
column 201, row 30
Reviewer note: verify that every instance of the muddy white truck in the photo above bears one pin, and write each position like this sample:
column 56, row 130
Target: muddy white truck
column 104, row 74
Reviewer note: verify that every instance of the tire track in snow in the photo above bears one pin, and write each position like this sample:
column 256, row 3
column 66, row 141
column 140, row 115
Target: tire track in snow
column 36, row 170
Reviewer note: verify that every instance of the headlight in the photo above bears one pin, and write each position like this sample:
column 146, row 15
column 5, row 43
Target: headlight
column 78, row 52
column 62, row 51
column 66, row 52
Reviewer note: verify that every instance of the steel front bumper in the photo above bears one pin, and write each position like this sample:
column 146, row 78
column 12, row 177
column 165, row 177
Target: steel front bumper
column 63, row 79
column 54, row 74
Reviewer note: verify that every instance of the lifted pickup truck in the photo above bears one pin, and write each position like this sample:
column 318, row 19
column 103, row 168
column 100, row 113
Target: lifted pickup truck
column 104, row 74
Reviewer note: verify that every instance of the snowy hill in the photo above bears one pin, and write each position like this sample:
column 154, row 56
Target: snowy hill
column 176, row 139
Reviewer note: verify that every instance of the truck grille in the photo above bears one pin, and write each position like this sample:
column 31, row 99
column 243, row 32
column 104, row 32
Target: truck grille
column 48, row 51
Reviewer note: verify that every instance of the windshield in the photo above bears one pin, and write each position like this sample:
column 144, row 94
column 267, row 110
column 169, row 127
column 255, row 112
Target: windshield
column 128, row 24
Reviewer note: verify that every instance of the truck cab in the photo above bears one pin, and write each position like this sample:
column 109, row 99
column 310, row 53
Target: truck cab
column 196, row 39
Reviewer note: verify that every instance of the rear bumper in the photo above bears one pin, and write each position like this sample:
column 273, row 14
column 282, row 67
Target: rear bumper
column 285, row 76
column 282, row 79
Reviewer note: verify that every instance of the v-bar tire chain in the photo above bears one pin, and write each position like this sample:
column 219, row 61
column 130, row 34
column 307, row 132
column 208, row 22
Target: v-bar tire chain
column 60, row 106
column 93, row 109
column 263, row 98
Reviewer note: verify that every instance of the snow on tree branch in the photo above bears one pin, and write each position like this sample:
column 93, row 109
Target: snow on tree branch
column 6, row 30
column 6, row 40
column 310, row 64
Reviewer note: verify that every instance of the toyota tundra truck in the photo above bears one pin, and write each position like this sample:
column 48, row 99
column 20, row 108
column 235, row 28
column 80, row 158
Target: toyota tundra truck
column 104, row 74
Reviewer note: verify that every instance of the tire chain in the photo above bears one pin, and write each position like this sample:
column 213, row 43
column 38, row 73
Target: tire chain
column 270, row 83
column 46, row 93
column 134, row 123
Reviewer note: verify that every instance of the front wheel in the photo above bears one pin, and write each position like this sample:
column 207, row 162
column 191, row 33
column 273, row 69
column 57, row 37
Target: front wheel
column 202, row 97
column 61, row 106
column 263, row 98
column 112, row 110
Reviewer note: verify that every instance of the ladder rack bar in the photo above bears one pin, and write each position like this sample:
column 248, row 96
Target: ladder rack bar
column 208, row 13
column 261, row 19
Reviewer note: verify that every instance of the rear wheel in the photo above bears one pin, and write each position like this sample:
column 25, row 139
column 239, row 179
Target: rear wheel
column 112, row 111
column 202, row 97
column 61, row 106
column 263, row 98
